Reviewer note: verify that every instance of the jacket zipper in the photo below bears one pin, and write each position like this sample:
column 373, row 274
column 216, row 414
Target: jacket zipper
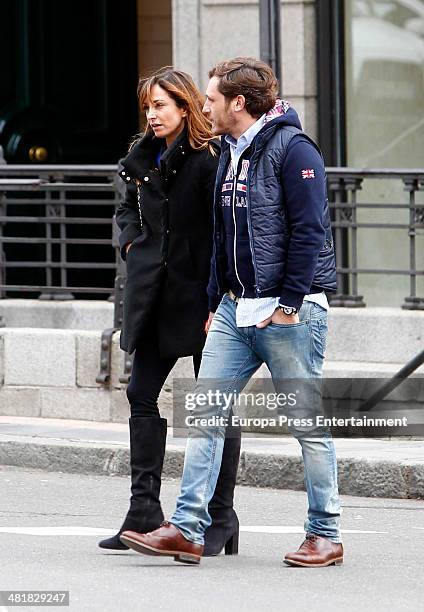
column 164, row 187
column 166, row 237
column 216, row 234
column 235, row 227
column 249, row 225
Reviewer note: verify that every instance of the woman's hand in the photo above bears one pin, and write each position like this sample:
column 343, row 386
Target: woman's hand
column 209, row 321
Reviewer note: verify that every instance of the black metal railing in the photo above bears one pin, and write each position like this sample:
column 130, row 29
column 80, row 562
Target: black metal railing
column 397, row 379
column 56, row 231
column 64, row 214
column 343, row 187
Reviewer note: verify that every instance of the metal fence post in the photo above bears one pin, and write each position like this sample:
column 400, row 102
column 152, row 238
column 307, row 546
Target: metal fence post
column 3, row 210
column 345, row 240
column 2, row 253
column 416, row 220
column 335, row 188
column 353, row 300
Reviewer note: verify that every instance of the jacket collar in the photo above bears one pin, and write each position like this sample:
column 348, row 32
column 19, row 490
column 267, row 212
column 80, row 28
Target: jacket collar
column 175, row 155
column 142, row 156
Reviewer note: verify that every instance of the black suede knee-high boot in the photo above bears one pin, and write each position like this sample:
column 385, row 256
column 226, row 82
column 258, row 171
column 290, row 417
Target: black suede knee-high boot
column 147, row 452
column 224, row 530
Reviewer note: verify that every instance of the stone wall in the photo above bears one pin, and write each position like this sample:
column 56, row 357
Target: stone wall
column 206, row 31
column 52, row 372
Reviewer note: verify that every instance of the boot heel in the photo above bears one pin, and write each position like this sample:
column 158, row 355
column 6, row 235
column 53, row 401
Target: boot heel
column 231, row 546
column 338, row 562
column 187, row 558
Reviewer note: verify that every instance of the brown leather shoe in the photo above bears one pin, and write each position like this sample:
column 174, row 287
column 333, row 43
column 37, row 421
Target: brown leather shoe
column 167, row 541
column 316, row 551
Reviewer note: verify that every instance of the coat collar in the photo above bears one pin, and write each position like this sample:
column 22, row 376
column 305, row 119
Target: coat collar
column 175, row 155
column 142, row 156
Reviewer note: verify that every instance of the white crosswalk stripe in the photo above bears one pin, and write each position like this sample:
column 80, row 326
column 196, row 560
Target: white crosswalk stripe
column 94, row 531
column 293, row 529
column 61, row 530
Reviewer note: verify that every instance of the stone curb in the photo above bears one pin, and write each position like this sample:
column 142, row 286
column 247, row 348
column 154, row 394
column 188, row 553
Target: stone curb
column 359, row 477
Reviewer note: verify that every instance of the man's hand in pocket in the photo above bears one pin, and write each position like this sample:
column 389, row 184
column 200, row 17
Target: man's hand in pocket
column 280, row 318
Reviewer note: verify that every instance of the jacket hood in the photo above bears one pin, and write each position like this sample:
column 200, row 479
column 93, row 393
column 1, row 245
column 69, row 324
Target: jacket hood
column 282, row 113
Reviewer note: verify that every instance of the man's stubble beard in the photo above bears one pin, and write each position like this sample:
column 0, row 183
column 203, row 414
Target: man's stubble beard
column 224, row 126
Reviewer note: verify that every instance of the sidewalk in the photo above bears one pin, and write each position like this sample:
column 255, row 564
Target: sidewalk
column 368, row 468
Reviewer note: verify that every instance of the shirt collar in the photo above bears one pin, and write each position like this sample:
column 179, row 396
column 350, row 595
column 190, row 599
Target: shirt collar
column 246, row 138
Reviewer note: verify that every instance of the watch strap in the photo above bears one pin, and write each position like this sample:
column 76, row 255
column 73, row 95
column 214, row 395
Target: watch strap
column 288, row 310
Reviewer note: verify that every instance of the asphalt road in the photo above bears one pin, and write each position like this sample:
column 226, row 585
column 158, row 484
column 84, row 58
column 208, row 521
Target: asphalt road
column 50, row 524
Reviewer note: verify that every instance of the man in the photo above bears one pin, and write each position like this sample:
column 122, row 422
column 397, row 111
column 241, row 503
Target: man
column 273, row 258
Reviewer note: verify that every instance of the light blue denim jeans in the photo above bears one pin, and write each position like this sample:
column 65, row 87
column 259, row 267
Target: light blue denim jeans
column 230, row 357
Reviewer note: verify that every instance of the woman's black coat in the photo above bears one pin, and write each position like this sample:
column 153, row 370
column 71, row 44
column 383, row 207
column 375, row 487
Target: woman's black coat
column 169, row 260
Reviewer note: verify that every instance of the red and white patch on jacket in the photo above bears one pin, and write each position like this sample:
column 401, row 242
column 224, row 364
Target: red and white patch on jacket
column 308, row 174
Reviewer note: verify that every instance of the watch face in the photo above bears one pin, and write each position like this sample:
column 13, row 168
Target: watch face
column 288, row 310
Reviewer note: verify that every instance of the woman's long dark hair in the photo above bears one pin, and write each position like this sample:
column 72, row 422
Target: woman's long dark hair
column 181, row 87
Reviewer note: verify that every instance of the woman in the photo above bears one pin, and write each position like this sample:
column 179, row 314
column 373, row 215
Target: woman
column 166, row 239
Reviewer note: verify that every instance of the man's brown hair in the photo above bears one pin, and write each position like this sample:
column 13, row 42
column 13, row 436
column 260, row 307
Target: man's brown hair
column 248, row 77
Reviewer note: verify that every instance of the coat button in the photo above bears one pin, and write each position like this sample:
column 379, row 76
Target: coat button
column 128, row 178
column 123, row 173
column 146, row 178
column 167, row 231
column 174, row 172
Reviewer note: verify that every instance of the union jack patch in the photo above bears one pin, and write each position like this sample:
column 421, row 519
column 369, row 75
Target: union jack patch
column 307, row 174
